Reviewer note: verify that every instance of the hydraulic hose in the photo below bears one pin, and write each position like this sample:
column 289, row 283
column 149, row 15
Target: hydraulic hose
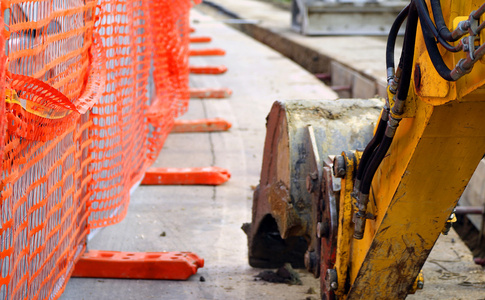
column 391, row 39
column 362, row 188
column 426, row 21
column 372, row 145
column 363, row 195
column 407, row 58
column 381, row 127
column 374, row 164
column 435, row 55
column 443, row 30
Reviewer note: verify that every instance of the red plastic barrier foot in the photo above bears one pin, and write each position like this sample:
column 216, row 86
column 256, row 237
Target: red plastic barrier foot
column 138, row 265
column 210, row 93
column 207, row 69
column 200, row 39
column 186, row 176
column 201, row 125
column 206, row 52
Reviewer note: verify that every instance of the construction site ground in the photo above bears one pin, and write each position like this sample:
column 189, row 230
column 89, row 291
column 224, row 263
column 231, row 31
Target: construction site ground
column 207, row 220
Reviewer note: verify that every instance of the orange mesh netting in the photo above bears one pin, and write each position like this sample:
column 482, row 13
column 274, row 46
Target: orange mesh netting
column 170, row 67
column 91, row 90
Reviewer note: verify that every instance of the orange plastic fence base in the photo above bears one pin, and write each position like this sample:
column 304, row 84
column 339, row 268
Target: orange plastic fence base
column 200, row 39
column 201, row 125
column 207, row 69
column 210, row 93
column 186, row 176
column 138, row 265
column 206, row 52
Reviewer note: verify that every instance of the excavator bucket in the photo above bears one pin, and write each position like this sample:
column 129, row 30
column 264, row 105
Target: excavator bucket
column 300, row 135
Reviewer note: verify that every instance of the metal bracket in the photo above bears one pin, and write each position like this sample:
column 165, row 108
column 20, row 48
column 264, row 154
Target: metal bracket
column 313, row 185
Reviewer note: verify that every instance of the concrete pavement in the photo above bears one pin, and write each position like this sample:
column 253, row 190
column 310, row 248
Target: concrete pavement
column 203, row 219
column 207, row 220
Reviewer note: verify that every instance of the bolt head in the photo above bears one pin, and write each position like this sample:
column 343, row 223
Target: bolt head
column 339, row 168
column 420, row 285
column 331, row 280
column 446, row 229
column 310, row 261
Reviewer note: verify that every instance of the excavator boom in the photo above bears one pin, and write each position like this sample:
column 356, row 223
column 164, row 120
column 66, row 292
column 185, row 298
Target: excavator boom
column 368, row 207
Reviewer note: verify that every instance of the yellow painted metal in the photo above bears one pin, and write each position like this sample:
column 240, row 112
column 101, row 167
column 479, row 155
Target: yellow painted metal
column 409, row 106
column 434, row 153
column 429, row 85
column 415, row 190
column 418, row 283
column 471, row 85
column 345, row 222
column 452, row 219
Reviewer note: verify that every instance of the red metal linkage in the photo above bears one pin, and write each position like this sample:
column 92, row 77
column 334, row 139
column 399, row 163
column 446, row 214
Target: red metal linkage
column 186, row 176
column 470, row 210
column 479, row 261
column 200, row 39
column 138, row 265
column 201, row 125
column 210, row 93
column 206, row 52
column 207, row 69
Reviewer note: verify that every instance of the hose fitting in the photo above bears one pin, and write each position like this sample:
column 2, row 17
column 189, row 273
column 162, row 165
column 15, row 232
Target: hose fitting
column 360, row 217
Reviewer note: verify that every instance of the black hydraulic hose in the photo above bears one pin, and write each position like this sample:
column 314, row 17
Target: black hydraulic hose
column 374, row 164
column 381, row 127
column 391, row 39
column 372, row 145
column 435, row 55
column 407, row 58
column 426, row 21
column 443, row 30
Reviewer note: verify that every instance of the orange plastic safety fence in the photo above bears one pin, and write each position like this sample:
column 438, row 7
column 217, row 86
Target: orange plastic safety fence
column 91, row 91
column 123, row 146
column 171, row 69
column 44, row 211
